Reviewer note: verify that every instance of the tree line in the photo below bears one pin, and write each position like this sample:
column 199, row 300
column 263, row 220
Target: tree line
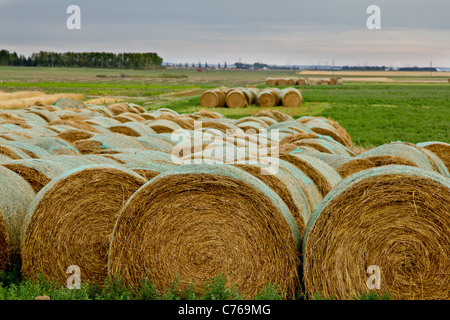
column 82, row 59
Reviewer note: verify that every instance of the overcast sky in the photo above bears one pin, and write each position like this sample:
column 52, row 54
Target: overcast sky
column 413, row 32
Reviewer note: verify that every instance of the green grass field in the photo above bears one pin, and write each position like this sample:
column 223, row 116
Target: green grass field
column 373, row 113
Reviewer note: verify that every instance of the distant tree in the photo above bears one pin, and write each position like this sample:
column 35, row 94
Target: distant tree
column 218, row 65
column 200, row 65
column 206, row 64
column 225, row 65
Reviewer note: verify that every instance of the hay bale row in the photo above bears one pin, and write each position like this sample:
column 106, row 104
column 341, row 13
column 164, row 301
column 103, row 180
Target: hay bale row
column 289, row 81
column 243, row 97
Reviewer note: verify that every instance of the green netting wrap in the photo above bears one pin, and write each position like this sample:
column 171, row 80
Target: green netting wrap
column 201, row 220
column 15, row 197
column 394, row 219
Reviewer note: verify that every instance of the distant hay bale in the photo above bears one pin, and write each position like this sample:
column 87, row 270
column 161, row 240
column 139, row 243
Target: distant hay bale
column 66, row 226
column 271, row 81
column 281, row 81
column 212, row 99
column 236, row 218
column 15, row 196
column 393, row 217
column 354, row 165
column 237, row 99
column 302, row 81
column 291, row 81
column 267, row 98
column 324, row 176
column 291, row 98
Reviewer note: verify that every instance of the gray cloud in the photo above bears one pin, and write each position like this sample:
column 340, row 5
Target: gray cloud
column 284, row 31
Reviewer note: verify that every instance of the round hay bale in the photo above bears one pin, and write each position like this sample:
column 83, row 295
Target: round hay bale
column 67, row 226
column 233, row 218
column 236, row 99
column 393, row 217
column 317, row 123
column 133, row 129
column 269, row 121
column 324, row 176
column 354, row 165
column 37, row 173
column 291, row 98
column 324, row 128
column 291, row 81
column 221, row 126
column 302, row 82
column 212, row 99
column 271, row 81
column 163, row 126
column 440, row 149
column 118, row 108
column 208, row 114
column 15, row 196
column 281, row 81
column 407, row 151
column 75, row 135
column 267, row 99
